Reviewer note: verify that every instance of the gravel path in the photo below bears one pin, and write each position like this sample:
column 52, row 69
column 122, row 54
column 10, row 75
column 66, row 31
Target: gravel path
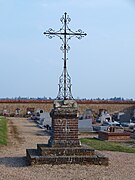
column 13, row 161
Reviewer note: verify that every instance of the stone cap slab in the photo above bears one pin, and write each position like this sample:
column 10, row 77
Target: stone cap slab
column 65, row 104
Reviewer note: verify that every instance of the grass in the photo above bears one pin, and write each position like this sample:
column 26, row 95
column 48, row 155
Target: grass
column 3, row 131
column 109, row 146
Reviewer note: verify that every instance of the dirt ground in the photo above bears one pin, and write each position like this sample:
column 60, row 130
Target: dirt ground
column 24, row 134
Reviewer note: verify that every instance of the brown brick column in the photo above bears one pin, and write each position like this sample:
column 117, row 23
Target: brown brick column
column 64, row 124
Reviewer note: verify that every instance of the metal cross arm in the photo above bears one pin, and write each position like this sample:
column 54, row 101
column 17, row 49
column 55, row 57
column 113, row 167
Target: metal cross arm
column 78, row 34
column 65, row 34
column 55, row 33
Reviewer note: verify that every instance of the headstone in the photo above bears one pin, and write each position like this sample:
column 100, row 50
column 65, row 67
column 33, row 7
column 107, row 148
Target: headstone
column 85, row 125
column 42, row 118
column 17, row 112
column 105, row 116
column 5, row 112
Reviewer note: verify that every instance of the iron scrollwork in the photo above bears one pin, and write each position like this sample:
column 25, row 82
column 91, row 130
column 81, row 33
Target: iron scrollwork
column 65, row 34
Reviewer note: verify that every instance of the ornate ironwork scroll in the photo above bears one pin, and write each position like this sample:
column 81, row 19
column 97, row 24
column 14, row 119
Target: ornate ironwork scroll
column 65, row 34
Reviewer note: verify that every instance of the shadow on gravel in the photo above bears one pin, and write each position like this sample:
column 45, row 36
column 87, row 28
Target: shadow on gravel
column 14, row 161
column 29, row 125
column 43, row 133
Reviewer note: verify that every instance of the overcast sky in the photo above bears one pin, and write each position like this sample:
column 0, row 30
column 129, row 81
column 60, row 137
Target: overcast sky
column 102, row 64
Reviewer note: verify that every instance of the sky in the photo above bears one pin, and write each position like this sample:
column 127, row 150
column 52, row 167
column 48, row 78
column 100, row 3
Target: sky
column 101, row 64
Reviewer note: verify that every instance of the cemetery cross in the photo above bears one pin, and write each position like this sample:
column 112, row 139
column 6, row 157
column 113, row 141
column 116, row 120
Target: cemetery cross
column 65, row 34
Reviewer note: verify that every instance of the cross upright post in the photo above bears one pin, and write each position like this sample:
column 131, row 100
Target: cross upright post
column 65, row 34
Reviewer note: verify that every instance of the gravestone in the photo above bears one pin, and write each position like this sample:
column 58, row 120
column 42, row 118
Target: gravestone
column 85, row 125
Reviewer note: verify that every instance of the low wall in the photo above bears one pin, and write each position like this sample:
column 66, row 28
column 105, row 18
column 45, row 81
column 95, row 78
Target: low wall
column 47, row 105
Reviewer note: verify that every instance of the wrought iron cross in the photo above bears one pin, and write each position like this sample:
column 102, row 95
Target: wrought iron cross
column 65, row 34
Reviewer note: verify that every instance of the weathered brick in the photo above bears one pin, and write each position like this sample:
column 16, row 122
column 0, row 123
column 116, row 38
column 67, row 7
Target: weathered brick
column 64, row 146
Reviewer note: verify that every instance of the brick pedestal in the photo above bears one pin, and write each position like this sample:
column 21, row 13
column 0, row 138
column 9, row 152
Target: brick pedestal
column 63, row 146
column 64, row 124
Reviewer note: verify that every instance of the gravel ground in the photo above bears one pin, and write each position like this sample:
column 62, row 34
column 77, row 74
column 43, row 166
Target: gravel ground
column 13, row 161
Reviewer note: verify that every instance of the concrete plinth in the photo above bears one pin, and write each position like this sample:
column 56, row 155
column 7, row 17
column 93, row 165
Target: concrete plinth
column 64, row 146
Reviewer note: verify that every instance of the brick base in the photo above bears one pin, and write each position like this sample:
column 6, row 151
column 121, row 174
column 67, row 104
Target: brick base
column 63, row 146
column 54, row 156
column 64, row 124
